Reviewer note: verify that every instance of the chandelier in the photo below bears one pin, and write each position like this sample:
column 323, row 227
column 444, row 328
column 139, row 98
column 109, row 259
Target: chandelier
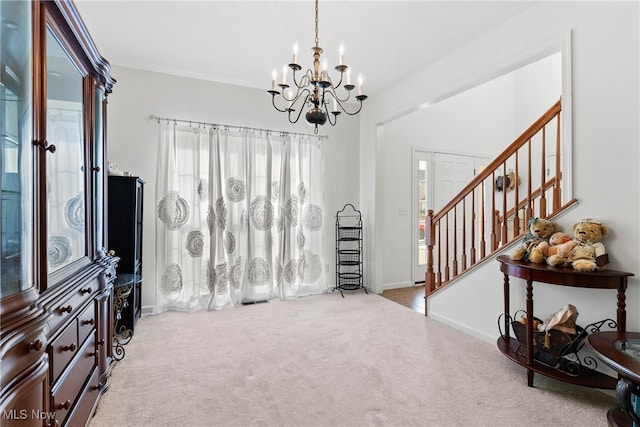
column 315, row 91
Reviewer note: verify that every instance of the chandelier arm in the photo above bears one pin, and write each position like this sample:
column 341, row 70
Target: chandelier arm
column 298, row 85
column 297, row 117
column 273, row 101
column 339, row 83
column 353, row 113
column 304, row 80
column 335, row 95
column 329, row 92
column 339, row 103
column 295, row 99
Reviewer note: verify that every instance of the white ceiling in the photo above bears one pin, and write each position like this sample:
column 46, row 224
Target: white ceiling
column 241, row 42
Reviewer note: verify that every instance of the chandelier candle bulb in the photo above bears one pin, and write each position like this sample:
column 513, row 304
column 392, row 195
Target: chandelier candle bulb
column 341, row 49
column 284, row 75
column 349, row 76
column 295, row 53
column 274, row 76
column 360, row 84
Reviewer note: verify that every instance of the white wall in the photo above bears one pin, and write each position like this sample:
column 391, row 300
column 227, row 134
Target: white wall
column 478, row 123
column 605, row 63
column 133, row 142
column 538, row 86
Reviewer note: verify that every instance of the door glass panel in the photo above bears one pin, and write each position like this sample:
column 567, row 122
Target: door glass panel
column 16, row 207
column 98, row 161
column 66, row 166
column 422, row 210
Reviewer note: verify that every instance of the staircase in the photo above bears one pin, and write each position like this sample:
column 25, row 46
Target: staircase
column 524, row 181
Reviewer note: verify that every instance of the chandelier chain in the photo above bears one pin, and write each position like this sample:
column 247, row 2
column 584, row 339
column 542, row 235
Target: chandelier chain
column 317, row 38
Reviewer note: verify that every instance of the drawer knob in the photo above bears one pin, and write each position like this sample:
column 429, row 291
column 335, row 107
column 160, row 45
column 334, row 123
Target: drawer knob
column 71, row 347
column 86, row 290
column 88, row 322
column 66, row 405
column 35, row 345
column 62, row 309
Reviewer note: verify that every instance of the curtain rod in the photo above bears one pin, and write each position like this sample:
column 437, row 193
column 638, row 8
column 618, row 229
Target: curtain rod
column 269, row 131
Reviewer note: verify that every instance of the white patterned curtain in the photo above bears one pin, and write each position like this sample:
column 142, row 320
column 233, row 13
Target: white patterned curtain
column 65, row 188
column 239, row 217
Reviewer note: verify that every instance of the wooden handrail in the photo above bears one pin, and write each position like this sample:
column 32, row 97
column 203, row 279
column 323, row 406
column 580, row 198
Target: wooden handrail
column 498, row 161
column 481, row 223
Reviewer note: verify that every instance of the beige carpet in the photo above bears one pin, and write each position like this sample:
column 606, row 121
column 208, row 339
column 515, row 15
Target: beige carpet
column 328, row 361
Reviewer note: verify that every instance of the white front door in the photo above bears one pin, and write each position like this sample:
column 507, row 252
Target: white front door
column 437, row 178
column 452, row 172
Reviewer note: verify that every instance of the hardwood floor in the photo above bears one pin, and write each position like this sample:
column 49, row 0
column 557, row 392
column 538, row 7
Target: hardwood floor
column 412, row 297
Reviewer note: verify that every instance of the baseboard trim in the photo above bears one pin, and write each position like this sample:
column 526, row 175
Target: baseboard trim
column 463, row 328
column 396, row 285
column 148, row 309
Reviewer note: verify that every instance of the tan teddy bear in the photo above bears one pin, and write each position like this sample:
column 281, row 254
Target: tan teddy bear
column 536, row 242
column 585, row 252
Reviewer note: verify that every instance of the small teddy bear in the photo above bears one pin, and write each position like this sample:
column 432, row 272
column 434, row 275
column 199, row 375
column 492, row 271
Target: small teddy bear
column 555, row 241
column 585, row 252
column 536, row 242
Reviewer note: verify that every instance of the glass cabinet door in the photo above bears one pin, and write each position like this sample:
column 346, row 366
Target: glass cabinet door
column 65, row 165
column 16, row 153
column 98, row 167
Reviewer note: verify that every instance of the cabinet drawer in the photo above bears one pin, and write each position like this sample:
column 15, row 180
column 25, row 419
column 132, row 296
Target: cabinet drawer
column 68, row 308
column 65, row 393
column 86, row 401
column 86, row 322
column 62, row 350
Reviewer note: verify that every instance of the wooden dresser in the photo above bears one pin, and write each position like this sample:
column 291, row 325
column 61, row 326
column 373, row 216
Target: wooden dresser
column 56, row 297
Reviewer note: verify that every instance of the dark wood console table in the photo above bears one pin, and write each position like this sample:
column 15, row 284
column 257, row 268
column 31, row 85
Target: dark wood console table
column 530, row 272
column 619, row 350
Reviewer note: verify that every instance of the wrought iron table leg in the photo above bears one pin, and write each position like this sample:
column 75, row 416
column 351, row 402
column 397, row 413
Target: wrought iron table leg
column 123, row 336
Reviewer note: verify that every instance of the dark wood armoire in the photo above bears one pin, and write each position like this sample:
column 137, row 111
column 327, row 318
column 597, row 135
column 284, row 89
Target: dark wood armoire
column 125, row 239
column 56, row 280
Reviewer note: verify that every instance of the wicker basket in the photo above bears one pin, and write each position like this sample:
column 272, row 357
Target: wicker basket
column 560, row 343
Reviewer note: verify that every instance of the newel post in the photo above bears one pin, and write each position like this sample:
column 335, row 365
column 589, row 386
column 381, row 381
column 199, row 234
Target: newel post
column 429, row 277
